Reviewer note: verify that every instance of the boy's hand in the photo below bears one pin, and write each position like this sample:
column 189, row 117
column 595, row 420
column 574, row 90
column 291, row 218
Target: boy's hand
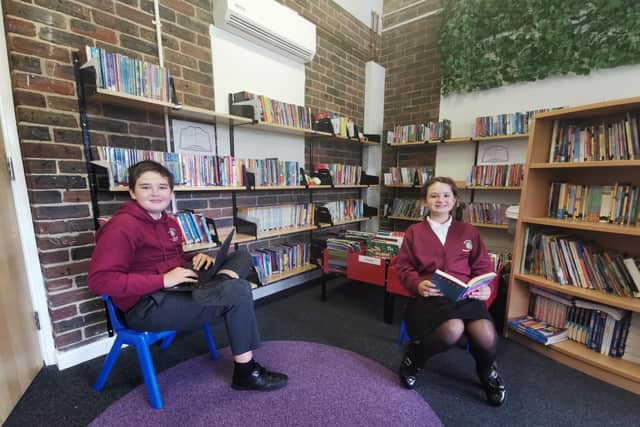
column 179, row 275
column 201, row 260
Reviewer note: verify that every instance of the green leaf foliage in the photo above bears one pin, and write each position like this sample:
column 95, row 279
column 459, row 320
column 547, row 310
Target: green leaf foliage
column 488, row 43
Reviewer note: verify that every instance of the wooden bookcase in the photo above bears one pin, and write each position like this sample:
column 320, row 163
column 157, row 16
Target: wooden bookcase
column 539, row 174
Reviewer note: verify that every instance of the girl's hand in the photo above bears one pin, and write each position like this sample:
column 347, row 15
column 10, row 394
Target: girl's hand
column 179, row 275
column 201, row 260
column 427, row 289
column 481, row 294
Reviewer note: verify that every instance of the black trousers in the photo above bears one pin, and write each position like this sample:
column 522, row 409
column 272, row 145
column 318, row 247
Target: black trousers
column 230, row 300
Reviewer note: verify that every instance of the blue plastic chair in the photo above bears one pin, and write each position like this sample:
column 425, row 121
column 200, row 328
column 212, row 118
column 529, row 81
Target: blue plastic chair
column 141, row 341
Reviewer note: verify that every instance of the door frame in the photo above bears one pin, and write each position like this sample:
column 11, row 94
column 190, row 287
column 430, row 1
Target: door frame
column 22, row 206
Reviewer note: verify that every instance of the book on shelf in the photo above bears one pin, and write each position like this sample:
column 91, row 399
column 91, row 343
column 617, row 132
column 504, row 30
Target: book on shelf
column 457, row 290
column 597, row 140
column 120, row 73
column 538, row 330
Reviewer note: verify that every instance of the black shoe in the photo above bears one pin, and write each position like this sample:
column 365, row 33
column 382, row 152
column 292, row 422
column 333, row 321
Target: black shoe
column 494, row 387
column 408, row 371
column 260, row 379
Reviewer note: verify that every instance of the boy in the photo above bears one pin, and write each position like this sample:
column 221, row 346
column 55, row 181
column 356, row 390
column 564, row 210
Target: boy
column 139, row 252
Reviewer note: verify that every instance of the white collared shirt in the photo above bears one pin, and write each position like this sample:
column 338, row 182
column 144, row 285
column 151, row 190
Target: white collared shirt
column 440, row 230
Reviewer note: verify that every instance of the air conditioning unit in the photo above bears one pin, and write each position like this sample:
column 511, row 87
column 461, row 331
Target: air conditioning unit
column 269, row 24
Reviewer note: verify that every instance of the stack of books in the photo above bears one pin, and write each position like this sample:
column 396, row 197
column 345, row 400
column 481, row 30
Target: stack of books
column 538, row 330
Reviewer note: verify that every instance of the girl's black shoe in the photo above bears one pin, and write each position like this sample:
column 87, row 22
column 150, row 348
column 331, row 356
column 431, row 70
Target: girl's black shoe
column 493, row 386
column 408, row 371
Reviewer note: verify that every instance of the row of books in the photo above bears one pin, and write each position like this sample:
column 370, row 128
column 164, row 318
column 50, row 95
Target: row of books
column 430, row 131
column 417, row 175
column 599, row 327
column 194, row 227
column 613, row 204
column 120, row 73
column 342, row 210
column 336, row 124
column 632, row 343
column 411, row 208
column 189, row 170
column 280, row 217
column 269, row 110
column 569, row 261
column 279, row 259
column 496, row 175
column 614, row 140
column 505, row 124
column 485, row 213
column 341, row 174
column 273, row 171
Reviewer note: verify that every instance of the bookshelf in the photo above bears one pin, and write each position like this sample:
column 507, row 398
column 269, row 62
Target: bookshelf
column 625, row 239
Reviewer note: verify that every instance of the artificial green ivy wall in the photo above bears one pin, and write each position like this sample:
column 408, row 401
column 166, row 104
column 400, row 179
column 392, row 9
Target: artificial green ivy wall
column 489, row 43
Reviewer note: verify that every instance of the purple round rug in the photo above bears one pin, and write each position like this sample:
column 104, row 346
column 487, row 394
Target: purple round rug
column 328, row 386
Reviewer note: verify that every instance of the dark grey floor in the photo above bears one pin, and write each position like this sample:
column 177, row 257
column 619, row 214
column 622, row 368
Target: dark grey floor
column 540, row 391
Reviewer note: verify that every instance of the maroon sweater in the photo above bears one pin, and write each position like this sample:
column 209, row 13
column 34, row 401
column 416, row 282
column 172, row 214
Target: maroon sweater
column 133, row 251
column 463, row 254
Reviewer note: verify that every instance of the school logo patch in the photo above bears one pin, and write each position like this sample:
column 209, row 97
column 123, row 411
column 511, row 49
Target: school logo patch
column 468, row 245
column 173, row 234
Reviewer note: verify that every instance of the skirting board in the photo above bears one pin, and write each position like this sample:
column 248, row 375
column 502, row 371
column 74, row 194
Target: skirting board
column 69, row 358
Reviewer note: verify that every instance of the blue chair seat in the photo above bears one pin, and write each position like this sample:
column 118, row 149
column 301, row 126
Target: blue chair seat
column 141, row 340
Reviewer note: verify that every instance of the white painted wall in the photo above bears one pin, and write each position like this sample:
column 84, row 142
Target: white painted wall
column 462, row 109
column 361, row 9
column 601, row 85
column 241, row 65
column 373, row 123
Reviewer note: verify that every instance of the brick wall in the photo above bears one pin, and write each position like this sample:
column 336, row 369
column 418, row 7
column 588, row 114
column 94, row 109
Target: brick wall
column 412, row 87
column 41, row 37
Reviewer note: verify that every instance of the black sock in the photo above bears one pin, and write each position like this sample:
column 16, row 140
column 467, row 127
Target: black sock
column 242, row 370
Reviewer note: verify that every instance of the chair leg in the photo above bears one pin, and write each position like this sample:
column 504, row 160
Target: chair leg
column 166, row 342
column 210, row 342
column 404, row 335
column 149, row 374
column 109, row 363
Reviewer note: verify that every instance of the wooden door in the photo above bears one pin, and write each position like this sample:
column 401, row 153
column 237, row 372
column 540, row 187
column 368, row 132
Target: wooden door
column 20, row 356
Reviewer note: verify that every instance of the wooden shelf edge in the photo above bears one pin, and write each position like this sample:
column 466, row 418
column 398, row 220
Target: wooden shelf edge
column 488, row 187
column 618, row 372
column 405, row 218
column 592, row 164
column 625, row 303
column 290, row 273
column 496, row 226
column 284, row 231
column 629, row 230
column 343, row 222
column 199, row 246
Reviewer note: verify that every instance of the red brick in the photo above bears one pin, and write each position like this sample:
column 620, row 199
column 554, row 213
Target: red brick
column 65, row 340
column 36, row 48
column 64, row 313
column 63, row 271
column 51, row 151
column 43, row 84
column 31, row 99
column 19, row 26
column 64, row 241
column 64, row 226
column 58, row 284
column 93, row 31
